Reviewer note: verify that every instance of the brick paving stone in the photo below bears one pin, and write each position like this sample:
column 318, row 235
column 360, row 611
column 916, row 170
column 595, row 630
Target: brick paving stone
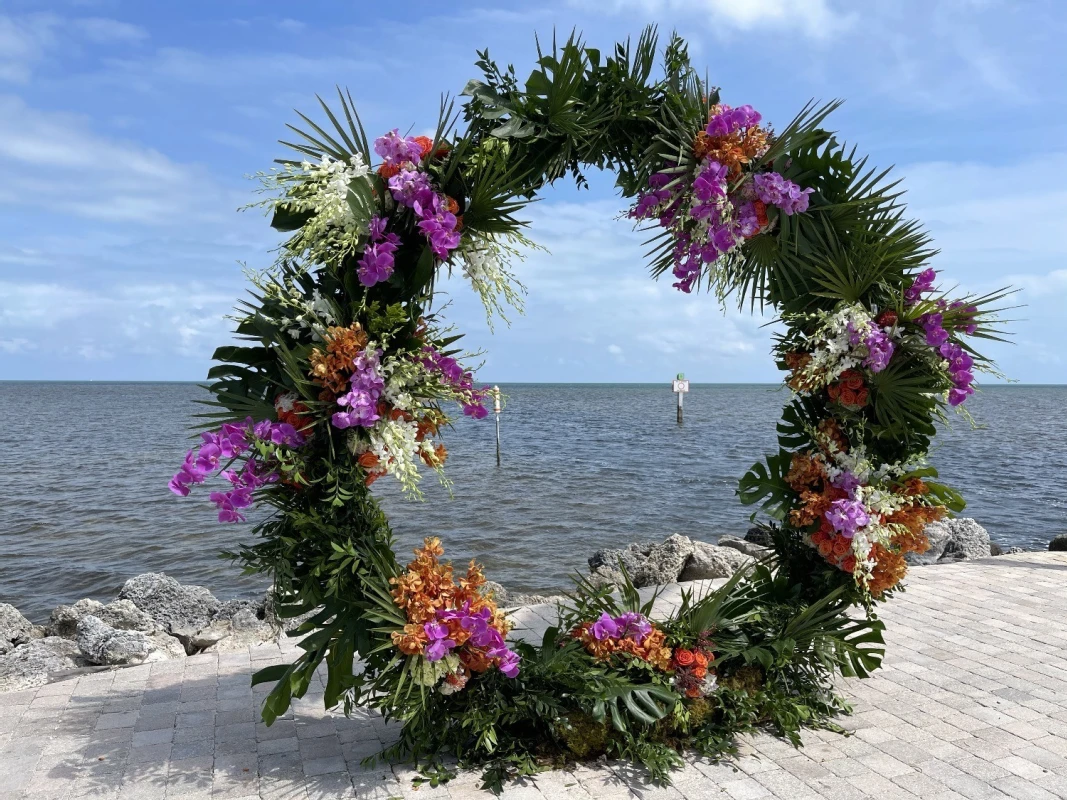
column 971, row 704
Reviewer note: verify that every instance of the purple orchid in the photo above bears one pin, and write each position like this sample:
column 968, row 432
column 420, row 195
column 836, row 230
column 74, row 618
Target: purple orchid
column 880, row 349
column 847, row 482
column 847, row 516
column 923, row 283
column 605, row 627
column 775, row 190
column 396, row 149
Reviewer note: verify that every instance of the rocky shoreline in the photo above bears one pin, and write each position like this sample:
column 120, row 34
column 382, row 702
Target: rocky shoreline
column 156, row 618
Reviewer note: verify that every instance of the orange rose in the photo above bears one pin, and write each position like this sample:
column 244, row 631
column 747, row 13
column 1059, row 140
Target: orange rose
column 684, row 658
column 692, row 692
column 368, row 460
column 854, row 382
column 848, row 397
column 700, row 672
column 761, row 213
column 452, row 205
column 826, row 549
column 887, row 319
column 701, row 659
column 425, row 145
column 849, row 564
column 861, row 397
column 842, row 546
column 834, row 391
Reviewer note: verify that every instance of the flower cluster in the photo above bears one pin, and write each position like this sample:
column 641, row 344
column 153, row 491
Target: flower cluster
column 453, row 628
column 453, row 373
column 412, row 188
column 230, row 442
column 289, row 409
column 389, row 400
column 958, row 362
column 774, row 190
column 849, row 390
column 365, row 386
column 715, row 208
column 693, row 675
column 841, row 341
column 331, row 367
column 860, row 519
column 377, row 263
column 630, row 633
column 326, row 188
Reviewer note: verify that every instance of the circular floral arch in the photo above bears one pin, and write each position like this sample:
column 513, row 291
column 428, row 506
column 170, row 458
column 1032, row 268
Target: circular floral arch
column 346, row 371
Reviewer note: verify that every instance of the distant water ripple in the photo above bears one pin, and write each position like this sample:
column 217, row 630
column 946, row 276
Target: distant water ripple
column 585, row 466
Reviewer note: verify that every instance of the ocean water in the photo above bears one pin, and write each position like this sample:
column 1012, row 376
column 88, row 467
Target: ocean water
column 85, row 467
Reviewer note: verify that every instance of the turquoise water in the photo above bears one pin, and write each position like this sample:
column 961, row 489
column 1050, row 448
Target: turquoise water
column 584, row 466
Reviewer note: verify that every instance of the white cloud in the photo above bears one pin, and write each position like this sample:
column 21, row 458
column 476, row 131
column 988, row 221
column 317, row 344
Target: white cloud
column 100, row 30
column 23, row 41
column 239, row 70
column 593, row 305
column 140, row 319
column 56, row 161
column 814, row 18
column 994, row 217
column 291, row 25
column 15, row 346
column 26, row 41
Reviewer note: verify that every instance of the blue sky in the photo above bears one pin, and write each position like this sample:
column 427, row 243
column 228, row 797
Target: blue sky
column 128, row 130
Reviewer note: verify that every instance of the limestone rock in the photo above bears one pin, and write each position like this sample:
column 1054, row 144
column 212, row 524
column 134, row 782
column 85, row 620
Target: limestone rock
column 711, row 561
column 939, row 534
column 743, row 545
column 169, row 603
column 647, row 563
column 995, row 549
column 1013, row 550
column 758, row 534
column 631, row 558
column 166, row 645
column 535, row 599
column 665, row 561
column 202, row 637
column 15, row 629
column 249, row 624
column 967, row 540
column 30, row 665
column 500, row 594
column 604, row 575
column 100, row 643
column 1058, row 543
column 120, row 614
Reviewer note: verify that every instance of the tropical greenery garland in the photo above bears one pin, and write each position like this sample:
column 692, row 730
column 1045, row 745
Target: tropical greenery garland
column 347, row 369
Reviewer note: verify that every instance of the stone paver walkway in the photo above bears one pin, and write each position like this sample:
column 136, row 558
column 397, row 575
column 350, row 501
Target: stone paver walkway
column 971, row 703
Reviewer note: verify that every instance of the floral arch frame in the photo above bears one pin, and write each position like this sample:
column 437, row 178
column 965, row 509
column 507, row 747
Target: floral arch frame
column 346, row 370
